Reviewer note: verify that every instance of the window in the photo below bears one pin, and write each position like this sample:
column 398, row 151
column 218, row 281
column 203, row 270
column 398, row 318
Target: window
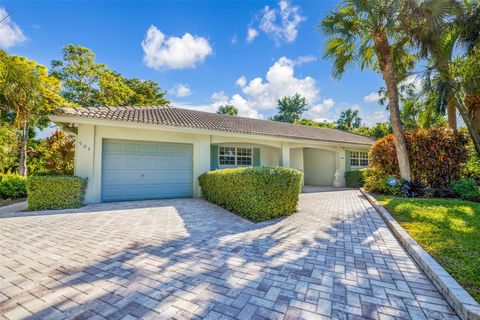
column 358, row 159
column 231, row 156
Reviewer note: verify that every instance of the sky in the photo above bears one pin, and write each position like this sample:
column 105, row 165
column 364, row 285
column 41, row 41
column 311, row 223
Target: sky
column 203, row 53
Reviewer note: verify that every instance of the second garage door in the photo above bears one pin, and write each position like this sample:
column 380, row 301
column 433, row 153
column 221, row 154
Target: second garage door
column 140, row 170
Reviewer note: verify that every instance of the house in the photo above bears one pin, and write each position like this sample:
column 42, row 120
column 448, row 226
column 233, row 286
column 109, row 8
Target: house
column 132, row 153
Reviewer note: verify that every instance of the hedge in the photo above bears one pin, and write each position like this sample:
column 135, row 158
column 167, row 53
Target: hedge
column 436, row 155
column 355, row 178
column 12, row 186
column 55, row 192
column 255, row 193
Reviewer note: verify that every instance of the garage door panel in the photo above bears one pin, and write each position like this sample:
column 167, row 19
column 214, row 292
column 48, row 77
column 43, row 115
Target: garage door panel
column 146, row 170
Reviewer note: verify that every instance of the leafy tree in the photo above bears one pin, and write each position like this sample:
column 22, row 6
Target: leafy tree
column 227, row 109
column 88, row 83
column 366, row 32
column 380, row 130
column 311, row 123
column 8, row 147
column 28, row 92
column 290, row 109
column 349, row 120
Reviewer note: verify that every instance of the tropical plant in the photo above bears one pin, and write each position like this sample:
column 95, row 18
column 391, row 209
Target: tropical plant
column 290, row 109
column 366, row 32
column 28, row 92
column 312, row 123
column 349, row 120
column 227, row 109
column 8, row 147
column 59, row 153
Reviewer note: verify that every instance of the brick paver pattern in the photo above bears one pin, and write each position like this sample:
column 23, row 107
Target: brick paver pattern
column 188, row 259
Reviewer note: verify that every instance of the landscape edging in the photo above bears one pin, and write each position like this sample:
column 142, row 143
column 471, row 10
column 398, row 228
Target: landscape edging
column 458, row 298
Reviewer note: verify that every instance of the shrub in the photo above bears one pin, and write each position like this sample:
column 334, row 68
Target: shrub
column 256, row 193
column 439, row 193
column 377, row 182
column 436, row 155
column 12, row 186
column 466, row 189
column 355, row 178
column 55, row 192
column 413, row 189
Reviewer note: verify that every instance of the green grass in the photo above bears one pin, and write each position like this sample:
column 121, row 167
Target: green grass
column 449, row 230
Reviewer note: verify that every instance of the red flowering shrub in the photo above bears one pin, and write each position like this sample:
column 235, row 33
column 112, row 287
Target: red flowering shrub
column 436, row 155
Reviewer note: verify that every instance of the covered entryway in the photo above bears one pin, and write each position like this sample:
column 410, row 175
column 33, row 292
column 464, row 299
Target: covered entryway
column 141, row 170
column 319, row 167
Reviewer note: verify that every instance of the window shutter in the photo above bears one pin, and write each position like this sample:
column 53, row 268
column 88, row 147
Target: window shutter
column 213, row 157
column 256, row 157
column 347, row 160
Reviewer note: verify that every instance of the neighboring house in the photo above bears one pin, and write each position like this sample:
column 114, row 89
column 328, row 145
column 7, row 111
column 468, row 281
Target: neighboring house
column 130, row 153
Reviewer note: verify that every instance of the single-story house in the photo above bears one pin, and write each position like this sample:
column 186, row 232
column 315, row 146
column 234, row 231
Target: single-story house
column 133, row 153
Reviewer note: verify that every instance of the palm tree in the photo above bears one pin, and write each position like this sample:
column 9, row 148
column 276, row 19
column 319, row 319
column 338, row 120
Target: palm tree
column 227, row 109
column 365, row 32
column 349, row 120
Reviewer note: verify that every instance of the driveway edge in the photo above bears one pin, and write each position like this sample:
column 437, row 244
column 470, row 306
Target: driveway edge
column 459, row 299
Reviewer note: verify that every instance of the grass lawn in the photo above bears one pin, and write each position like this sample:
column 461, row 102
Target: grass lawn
column 449, row 230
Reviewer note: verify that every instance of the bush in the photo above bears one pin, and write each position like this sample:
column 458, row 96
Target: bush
column 256, row 193
column 55, row 192
column 12, row 186
column 466, row 189
column 413, row 189
column 355, row 178
column 377, row 182
column 439, row 193
column 436, row 155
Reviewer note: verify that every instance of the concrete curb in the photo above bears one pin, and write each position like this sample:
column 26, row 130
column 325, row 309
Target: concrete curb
column 459, row 299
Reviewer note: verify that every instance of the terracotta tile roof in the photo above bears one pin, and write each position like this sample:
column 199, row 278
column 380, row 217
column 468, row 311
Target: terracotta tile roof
column 179, row 117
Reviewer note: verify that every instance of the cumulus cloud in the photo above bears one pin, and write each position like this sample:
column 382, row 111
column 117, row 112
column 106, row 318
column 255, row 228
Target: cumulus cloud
column 321, row 111
column 281, row 24
column 162, row 52
column 10, row 32
column 372, row 97
column 251, row 34
column 181, row 90
column 305, row 59
column 377, row 116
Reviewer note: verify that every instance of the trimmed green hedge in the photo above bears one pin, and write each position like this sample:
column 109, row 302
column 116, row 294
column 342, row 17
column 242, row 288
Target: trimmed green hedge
column 12, row 186
column 55, row 192
column 255, row 193
column 355, row 178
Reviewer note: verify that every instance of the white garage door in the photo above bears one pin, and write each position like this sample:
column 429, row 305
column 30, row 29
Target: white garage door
column 141, row 170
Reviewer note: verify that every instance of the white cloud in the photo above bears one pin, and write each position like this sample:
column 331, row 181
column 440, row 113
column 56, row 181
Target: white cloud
column 10, row 33
column 377, row 116
column 372, row 97
column 251, row 34
column 304, row 59
column 162, row 52
column 281, row 23
column 219, row 96
column 279, row 81
column 181, row 90
column 414, row 80
column 234, row 39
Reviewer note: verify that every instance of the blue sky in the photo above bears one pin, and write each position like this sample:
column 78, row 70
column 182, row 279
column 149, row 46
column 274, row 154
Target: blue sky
column 204, row 53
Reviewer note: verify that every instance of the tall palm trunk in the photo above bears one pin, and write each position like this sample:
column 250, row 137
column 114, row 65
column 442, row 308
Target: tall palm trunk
column 465, row 113
column 452, row 114
column 384, row 56
column 22, row 168
column 472, row 102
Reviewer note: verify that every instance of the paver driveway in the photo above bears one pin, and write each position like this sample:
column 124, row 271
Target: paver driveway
column 189, row 259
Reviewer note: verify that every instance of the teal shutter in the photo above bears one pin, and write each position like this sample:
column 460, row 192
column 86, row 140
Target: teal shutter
column 213, row 157
column 256, row 157
column 347, row 160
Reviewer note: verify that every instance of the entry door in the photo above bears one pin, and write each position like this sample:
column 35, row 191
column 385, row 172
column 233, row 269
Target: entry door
column 140, row 170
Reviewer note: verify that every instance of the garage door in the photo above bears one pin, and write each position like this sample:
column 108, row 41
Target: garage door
column 319, row 166
column 140, row 170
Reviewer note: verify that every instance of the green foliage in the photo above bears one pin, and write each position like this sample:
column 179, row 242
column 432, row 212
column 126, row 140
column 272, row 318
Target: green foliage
column 290, row 109
column 436, row 155
column 256, row 193
column 8, row 147
column 88, row 83
column 59, row 153
column 12, row 186
column 55, row 192
column 311, row 123
column 349, row 120
column 377, row 182
column 466, row 189
column 356, row 178
column 227, row 109
column 472, row 167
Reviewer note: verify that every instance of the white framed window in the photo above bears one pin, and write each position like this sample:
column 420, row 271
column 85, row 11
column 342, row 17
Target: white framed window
column 232, row 156
column 358, row 159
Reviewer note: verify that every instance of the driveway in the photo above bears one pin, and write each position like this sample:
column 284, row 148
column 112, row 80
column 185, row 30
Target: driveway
column 188, row 259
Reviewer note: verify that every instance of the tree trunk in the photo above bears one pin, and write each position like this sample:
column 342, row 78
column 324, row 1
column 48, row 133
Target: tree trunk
column 472, row 102
column 452, row 114
column 22, row 168
column 384, row 56
column 464, row 112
